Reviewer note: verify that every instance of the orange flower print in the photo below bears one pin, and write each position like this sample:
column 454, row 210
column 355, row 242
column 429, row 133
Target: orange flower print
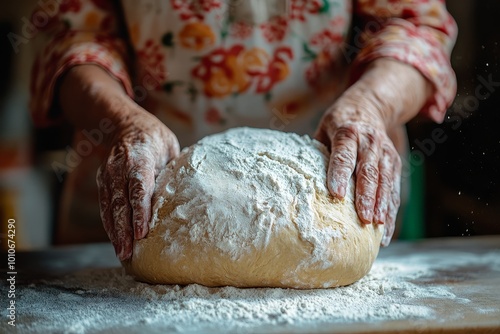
column 276, row 71
column 196, row 36
column 222, row 72
column 235, row 70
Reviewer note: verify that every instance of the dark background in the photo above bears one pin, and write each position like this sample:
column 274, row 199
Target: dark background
column 460, row 174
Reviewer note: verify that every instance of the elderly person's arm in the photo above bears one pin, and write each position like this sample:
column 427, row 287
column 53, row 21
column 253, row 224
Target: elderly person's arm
column 82, row 75
column 402, row 69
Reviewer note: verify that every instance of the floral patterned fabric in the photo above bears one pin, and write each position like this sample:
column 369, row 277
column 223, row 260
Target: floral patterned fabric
column 202, row 66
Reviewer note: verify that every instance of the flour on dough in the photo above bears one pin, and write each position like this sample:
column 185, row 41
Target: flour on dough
column 250, row 208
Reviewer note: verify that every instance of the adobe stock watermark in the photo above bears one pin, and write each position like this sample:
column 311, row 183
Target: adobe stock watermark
column 462, row 109
column 280, row 119
column 83, row 148
column 351, row 50
column 47, row 10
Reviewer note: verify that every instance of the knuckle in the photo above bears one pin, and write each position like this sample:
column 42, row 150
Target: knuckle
column 348, row 132
column 386, row 180
column 343, row 157
column 371, row 138
column 369, row 172
column 118, row 203
column 139, row 218
column 137, row 195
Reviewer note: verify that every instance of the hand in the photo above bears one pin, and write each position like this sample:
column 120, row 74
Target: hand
column 360, row 146
column 137, row 153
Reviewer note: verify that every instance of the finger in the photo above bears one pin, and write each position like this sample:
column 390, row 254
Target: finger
column 121, row 212
column 173, row 148
column 141, row 186
column 385, row 185
column 342, row 161
column 104, row 206
column 390, row 224
column 367, row 175
column 120, row 205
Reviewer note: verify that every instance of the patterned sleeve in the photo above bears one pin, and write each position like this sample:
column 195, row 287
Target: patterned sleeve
column 420, row 33
column 78, row 32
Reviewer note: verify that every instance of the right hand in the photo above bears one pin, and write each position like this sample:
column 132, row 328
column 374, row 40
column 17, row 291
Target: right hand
column 138, row 151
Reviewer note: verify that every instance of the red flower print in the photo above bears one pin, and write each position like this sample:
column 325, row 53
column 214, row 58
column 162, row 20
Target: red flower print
column 208, row 5
column 298, row 8
column 408, row 13
column 277, row 70
column 189, row 9
column 241, row 30
column 103, row 4
column 70, row 6
column 320, row 68
column 151, row 61
column 275, row 30
column 326, row 38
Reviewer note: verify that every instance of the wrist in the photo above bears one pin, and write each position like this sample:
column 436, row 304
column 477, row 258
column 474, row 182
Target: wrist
column 394, row 90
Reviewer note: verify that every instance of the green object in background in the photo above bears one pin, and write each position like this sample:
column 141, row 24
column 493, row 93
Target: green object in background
column 413, row 219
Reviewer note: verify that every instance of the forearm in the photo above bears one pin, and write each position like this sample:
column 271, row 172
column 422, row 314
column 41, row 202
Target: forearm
column 389, row 93
column 88, row 94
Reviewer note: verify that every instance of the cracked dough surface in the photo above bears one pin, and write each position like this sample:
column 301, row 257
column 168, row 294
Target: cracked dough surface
column 250, row 208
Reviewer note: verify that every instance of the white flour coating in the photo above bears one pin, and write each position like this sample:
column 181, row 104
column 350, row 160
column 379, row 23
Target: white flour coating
column 304, row 178
column 103, row 299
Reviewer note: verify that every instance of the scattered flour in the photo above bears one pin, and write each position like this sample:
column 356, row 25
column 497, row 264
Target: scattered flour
column 99, row 300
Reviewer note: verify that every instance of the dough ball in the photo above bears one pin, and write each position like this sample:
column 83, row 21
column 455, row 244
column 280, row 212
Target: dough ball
column 250, row 208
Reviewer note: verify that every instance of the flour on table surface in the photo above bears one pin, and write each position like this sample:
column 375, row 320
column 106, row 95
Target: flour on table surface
column 102, row 299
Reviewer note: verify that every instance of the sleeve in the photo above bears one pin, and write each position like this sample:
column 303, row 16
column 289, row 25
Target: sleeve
column 77, row 32
column 420, row 33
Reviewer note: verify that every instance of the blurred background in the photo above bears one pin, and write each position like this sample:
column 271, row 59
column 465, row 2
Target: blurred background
column 456, row 181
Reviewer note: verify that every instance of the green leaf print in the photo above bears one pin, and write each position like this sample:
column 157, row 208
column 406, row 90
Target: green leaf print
column 308, row 53
column 168, row 39
column 268, row 96
column 169, row 86
column 224, row 32
column 325, row 8
column 192, row 92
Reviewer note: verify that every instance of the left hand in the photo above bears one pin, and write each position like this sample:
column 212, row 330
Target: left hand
column 360, row 146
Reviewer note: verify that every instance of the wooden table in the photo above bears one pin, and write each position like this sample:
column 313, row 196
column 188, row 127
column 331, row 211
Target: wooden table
column 478, row 283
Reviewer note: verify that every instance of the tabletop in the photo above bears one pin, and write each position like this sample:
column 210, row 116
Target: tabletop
column 448, row 285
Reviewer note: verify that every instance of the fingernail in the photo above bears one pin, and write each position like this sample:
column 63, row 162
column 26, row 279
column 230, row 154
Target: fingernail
column 138, row 231
column 120, row 253
column 386, row 241
column 367, row 216
column 341, row 191
column 338, row 189
column 379, row 216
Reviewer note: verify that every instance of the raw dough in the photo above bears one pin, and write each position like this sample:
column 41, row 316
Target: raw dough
column 250, row 208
